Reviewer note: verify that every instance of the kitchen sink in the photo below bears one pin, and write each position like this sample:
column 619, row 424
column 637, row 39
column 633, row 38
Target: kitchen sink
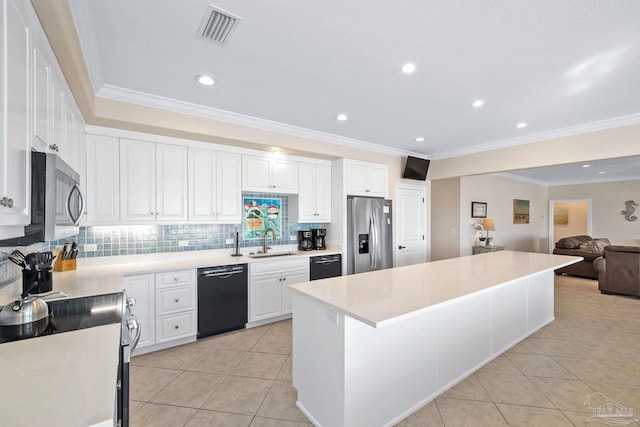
column 269, row 254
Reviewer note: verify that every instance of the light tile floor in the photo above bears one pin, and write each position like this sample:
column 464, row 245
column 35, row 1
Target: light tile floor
column 244, row 378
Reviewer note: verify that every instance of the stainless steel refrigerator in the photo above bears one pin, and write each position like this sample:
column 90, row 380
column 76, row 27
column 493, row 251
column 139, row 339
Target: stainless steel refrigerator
column 369, row 234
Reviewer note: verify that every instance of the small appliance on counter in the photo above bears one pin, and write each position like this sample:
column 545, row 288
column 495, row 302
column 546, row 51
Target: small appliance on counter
column 305, row 240
column 319, row 237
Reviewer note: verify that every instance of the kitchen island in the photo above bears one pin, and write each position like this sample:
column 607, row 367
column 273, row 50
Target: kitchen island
column 370, row 349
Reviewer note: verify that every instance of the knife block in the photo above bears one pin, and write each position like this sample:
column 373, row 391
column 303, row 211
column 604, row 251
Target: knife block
column 64, row 265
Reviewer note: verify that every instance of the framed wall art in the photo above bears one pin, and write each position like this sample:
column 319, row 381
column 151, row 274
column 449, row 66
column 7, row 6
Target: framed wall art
column 520, row 211
column 260, row 214
column 478, row 210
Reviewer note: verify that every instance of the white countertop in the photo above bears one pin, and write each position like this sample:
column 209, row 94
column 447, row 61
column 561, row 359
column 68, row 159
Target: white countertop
column 60, row 380
column 382, row 297
column 95, row 276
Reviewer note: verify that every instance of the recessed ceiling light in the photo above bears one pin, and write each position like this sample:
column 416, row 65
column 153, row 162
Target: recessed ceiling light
column 408, row 68
column 478, row 103
column 205, row 80
column 342, row 117
column 586, row 166
column 601, row 173
column 419, row 139
column 521, row 125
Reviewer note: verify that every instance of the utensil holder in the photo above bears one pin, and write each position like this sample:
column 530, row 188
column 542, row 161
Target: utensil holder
column 64, row 265
column 43, row 277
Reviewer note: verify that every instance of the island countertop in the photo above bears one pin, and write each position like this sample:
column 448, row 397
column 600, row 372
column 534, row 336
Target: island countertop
column 382, row 297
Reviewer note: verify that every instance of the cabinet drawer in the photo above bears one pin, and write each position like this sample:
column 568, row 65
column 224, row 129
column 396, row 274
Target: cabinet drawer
column 176, row 299
column 267, row 267
column 173, row 278
column 175, row 326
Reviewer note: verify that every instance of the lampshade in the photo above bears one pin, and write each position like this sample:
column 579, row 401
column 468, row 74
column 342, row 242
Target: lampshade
column 488, row 225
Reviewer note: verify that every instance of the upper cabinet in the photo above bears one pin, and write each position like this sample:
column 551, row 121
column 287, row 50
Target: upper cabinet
column 15, row 144
column 214, row 186
column 268, row 175
column 366, row 179
column 103, row 170
column 153, row 182
column 314, row 199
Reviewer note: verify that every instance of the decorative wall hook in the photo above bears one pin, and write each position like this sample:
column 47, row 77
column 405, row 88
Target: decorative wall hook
column 628, row 214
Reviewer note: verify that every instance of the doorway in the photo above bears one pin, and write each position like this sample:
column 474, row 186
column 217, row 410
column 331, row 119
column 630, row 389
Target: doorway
column 568, row 218
column 411, row 224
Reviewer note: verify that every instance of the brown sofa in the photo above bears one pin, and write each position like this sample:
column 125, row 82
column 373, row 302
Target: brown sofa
column 619, row 270
column 571, row 246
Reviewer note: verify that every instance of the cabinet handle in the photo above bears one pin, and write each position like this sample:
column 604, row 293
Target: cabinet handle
column 157, row 213
column 151, row 213
column 176, row 327
column 280, row 279
column 175, row 279
column 284, row 278
column 367, row 191
column 176, row 300
column 53, row 147
column 6, row 202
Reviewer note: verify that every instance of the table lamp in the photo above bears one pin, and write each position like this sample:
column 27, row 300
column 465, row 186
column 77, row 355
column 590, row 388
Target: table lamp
column 488, row 225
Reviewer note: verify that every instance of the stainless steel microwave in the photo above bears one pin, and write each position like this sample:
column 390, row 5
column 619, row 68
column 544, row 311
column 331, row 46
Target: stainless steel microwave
column 57, row 202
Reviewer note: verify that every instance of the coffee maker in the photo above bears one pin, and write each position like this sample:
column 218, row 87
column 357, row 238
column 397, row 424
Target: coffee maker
column 305, row 240
column 319, row 236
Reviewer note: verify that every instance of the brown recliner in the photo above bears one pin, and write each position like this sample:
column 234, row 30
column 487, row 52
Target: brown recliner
column 619, row 270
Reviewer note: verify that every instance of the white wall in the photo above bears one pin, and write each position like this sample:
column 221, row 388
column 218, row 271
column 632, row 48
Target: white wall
column 578, row 217
column 498, row 193
column 445, row 219
column 607, row 201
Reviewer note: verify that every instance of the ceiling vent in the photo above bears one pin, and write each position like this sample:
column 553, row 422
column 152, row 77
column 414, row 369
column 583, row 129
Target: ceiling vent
column 217, row 25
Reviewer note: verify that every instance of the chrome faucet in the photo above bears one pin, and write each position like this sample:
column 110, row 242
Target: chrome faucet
column 264, row 239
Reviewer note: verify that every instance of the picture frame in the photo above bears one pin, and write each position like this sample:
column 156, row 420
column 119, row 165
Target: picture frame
column 521, row 210
column 478, row 210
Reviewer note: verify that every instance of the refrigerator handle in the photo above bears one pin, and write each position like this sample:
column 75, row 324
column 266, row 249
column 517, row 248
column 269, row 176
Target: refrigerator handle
column 373, row 251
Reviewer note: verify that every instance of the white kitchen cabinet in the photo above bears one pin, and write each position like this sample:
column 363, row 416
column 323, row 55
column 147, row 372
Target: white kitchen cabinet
column 153, row 182
column 15, row 144
column 59, row 143
column 314, row 199
column 366, row 179
column 269, row 296
column 166, row 305
column 214, row 186
column 142, row 288
column 171, row 183
column 41, row 98
column 102, row 178
column 268, row 175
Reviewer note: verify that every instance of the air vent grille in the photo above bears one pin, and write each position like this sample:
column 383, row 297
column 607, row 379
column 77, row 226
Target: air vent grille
column 217, row 25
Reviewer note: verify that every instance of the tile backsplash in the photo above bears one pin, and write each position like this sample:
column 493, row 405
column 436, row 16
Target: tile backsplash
column 148, row 239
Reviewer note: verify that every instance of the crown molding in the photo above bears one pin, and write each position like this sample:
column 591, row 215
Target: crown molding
column 631, row 119
column 516, row 177
column 140, row 98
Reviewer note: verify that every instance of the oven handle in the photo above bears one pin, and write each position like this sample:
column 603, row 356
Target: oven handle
column 138, row 332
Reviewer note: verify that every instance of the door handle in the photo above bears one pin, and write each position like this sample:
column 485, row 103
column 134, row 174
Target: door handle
column 401, row 247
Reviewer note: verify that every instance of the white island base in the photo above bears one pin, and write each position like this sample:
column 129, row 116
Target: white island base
column 353, row 369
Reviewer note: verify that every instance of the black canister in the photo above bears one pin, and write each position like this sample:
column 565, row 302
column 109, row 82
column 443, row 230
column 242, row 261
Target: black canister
column 43, row 277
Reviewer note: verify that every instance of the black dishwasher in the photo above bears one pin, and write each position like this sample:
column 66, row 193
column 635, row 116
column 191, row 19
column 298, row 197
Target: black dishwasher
column 222, row 299
column 325, row 266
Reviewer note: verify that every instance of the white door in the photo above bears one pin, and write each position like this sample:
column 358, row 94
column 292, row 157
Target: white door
column 202, row 185
column 229, row 191
column 171, row 182
column 410, row 226
column 284, row 176
column 255, row 173
column 137, row 181
column 103, row 178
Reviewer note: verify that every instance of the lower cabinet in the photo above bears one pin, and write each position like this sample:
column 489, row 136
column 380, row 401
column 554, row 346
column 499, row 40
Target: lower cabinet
column 269, row 296
column 166, row 308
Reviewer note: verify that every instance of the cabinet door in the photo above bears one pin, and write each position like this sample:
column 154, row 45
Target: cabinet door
column 171, row 182
column 141, row 287
column 176, row 326
column 290, row 278
column 137, row 181
column 323, row 193
column 41, row 101
column 202, row 185
column 357, row 177
column 103, row 170
column 284, row 176
column 307, row 211
column 265, row 296
column 256, row 173
column 377, row 181
column 229, row 191
column 15, row 146
column 58, row 131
